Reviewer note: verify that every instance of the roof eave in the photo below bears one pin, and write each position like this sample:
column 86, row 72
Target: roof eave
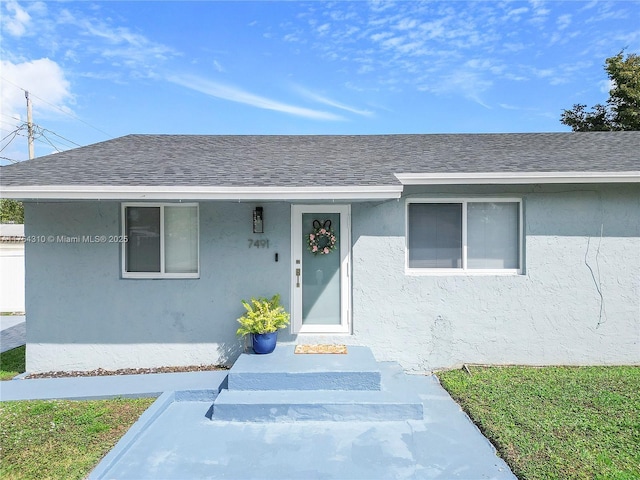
column 515, row 178
column 84, row 192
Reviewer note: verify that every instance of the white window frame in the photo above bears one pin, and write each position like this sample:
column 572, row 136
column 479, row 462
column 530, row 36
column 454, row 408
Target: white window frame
column 161, row 274
column 464, row 201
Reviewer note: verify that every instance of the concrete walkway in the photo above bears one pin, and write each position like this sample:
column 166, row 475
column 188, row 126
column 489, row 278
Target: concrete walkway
column 180, row 440
column 13, row 332
column 181, row 436
column 132, row 386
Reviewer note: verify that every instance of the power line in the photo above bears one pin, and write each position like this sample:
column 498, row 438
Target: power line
column 39, row 132
column 14, row 133
column 12, row 125
column 60, row 109
column 36, row 132
column 60, row 136
column 10, row 159
column 12, row 117
column 47, row 141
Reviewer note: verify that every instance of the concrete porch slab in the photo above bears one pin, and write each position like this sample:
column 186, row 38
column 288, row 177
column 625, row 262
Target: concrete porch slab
column 285, row 370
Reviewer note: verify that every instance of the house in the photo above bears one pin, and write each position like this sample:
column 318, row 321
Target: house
column 450, row 249
column 11, row 268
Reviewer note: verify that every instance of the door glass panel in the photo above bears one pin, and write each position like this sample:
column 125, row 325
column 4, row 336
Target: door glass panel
column 320, row 275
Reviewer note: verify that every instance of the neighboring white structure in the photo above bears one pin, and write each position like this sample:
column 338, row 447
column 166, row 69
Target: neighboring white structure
column 11, row 268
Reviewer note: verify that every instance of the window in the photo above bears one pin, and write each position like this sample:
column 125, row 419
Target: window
column 162, row 241
column 464, row 236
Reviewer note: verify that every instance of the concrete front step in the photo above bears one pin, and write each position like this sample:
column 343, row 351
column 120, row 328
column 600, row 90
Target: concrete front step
column 285, row 370
column 319, row 405
column 391, row 401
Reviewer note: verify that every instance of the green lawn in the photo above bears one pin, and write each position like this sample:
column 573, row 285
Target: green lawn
column 556, row 422
column 57, row 439
column 12, row 363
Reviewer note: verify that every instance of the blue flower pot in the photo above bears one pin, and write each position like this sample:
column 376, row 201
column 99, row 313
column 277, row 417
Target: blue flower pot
column 264, row 342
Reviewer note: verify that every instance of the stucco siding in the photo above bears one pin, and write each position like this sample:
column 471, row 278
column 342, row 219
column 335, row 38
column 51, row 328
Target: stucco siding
column 83, row 315
column 577, row 301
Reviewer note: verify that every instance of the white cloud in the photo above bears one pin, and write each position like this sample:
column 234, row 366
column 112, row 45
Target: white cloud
column 516, row 12
column 43, row 78
column 543, row 72
column 324, row 28
column 332, row 103
column 49, row 91
column 563, row 21
column 237, row 95
column 376, row 37
column 407, row 24
column 607, row 85
column 514, row 47
column 119, row 44
column 17, row 19
column 218, row 66
column 466, row 82
column 290, row 37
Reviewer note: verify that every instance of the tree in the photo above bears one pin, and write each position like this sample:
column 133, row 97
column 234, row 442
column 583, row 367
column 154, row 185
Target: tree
column 622, row 111
column 11, row 211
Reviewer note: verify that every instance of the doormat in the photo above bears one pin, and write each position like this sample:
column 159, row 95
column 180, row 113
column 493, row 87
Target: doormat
column 341, row 349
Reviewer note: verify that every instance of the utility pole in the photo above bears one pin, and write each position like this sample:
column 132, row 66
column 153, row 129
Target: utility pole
column 29, row 126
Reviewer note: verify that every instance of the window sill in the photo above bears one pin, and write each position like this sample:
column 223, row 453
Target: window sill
column 457, row 272
column 157, row 276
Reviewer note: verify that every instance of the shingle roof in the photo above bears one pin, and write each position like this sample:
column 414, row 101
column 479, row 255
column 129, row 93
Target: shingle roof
column 321, row 160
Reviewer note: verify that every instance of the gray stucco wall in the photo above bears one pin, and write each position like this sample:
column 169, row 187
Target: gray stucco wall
column 580, row 242
column 578, row 301
column 83, row 315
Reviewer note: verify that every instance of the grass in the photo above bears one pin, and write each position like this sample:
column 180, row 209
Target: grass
column 556, row 422
column 55, row 439
column 12, row 363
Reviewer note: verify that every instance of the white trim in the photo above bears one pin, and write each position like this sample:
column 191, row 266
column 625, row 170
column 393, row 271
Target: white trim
column 413, row 271
column 297, row 247
column 374, row 192
column 492, row 178
column 161, row 274
column 94, row 192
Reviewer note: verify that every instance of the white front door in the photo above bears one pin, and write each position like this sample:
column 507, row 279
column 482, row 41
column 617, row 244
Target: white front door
column 321, row 281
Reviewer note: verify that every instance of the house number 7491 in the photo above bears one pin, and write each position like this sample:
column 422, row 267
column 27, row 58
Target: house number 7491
column 263, row 243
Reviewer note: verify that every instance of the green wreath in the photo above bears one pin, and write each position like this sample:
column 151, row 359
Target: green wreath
column 322, row 241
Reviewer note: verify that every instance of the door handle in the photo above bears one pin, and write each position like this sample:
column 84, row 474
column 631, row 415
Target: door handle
column 297, row 278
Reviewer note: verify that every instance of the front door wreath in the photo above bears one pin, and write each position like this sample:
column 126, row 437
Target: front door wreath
column 322, row 241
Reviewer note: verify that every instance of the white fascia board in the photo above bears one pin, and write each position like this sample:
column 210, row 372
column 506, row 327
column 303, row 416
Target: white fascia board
column 75, row 192
column 512, row 178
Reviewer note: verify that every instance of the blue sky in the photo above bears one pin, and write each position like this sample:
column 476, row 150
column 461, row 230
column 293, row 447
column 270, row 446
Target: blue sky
column 99, row 70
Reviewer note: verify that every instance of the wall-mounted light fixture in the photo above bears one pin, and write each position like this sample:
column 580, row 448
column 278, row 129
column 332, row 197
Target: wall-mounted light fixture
column 258, row 220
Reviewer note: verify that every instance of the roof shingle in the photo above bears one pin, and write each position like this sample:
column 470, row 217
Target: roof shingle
column 321, row 160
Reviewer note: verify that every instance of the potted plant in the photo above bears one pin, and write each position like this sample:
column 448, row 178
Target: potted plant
column 263, row 319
